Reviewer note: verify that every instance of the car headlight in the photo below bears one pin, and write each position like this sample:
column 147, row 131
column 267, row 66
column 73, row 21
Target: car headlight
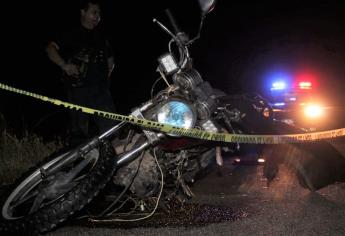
column 176, row 113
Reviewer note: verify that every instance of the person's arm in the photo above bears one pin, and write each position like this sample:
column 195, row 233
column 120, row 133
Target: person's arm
column 52, row 50
column 110, row 57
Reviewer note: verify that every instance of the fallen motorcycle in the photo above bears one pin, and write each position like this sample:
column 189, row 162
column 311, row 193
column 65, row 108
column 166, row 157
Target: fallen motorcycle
column 144, row 163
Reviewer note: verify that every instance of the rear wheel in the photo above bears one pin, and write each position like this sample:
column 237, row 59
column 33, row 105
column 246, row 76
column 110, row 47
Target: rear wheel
column 37, row 203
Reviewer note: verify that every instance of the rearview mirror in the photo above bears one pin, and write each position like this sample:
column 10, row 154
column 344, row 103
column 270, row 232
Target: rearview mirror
column 207, row 5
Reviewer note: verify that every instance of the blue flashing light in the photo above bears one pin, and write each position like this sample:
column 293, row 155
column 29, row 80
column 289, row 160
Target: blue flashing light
column 278, row 85
column 279, row 104
column 278, row 80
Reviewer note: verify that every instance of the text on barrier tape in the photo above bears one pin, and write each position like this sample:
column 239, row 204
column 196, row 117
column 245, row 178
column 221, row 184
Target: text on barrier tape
column 193, row 133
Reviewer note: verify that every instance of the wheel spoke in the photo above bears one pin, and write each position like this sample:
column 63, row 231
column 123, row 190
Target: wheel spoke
column 26, row 198
column 37, row 203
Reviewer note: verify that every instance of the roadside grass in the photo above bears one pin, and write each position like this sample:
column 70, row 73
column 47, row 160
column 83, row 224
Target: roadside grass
column 17, row 155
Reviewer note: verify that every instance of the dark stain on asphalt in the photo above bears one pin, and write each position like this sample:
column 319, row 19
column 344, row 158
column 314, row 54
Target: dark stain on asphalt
column 186, row 215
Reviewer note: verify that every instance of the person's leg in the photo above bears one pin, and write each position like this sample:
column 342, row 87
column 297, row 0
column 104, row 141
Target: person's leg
column 104, row 102
column 79, row 121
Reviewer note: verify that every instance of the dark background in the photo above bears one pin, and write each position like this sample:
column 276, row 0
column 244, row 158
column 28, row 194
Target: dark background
column 241, row 43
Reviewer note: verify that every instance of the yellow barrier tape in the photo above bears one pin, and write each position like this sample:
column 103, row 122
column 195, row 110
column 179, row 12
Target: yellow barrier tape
column 193, row 133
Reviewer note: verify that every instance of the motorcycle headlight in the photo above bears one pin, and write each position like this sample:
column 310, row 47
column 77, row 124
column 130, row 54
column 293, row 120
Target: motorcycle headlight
column 176, row 113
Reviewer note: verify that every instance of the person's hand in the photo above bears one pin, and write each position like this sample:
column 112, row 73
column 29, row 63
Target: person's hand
column 70, row 69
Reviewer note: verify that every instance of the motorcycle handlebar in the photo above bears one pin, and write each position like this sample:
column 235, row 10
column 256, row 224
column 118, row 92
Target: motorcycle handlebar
column 179, row 37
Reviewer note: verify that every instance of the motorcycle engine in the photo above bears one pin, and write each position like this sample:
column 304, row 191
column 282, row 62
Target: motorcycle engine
column 201, row 91
column 188, row 79
column 142, row 175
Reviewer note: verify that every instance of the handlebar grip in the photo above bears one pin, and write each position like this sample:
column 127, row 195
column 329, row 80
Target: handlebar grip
column 173, row 21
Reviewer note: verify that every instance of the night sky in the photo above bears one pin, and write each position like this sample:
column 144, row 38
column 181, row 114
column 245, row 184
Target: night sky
column 240, row 45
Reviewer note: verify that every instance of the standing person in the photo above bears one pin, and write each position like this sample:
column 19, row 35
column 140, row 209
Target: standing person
column 86, row 60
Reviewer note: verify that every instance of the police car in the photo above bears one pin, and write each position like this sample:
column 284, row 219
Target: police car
column 296, row 101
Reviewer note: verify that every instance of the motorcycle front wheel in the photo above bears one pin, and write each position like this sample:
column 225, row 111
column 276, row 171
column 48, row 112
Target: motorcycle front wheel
column 37, row 203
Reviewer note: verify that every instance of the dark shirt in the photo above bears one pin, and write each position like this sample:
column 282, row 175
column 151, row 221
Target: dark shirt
column 92, row 44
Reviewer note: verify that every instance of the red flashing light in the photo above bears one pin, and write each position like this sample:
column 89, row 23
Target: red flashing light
column 305, row 85
column 306, row 79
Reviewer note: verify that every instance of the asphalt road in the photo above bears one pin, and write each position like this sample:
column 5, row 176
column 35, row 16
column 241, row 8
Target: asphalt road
column 283, row 208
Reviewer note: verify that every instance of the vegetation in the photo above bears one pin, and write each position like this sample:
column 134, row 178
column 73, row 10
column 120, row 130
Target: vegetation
column 19, row 154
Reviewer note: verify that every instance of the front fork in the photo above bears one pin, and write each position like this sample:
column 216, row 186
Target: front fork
column 80, row 151
column 152, row 139
column 132, row 154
